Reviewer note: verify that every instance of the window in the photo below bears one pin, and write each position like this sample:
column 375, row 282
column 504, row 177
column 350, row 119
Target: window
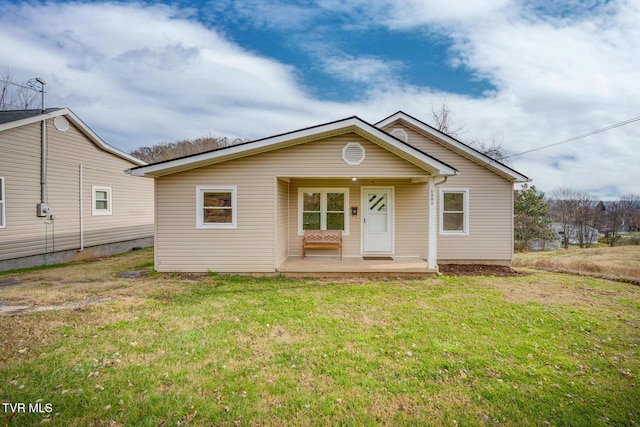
column 454, row 211
column 323, row 209
column 101, row 201
column 216, row 207
column 2, row 202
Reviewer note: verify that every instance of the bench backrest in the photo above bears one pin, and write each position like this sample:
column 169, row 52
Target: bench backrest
column 323, row 236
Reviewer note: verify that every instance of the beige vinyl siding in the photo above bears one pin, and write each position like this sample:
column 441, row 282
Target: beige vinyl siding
column 20, row 158
column 282, row 212
column 180, row 246
column 490, row 207
column 410, row 214
column 20, row 165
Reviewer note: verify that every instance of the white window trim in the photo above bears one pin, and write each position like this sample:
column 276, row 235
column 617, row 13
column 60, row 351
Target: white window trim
column 98, row 212
column 465, row 231
column 323, row 206
column 3, row 199
column 200, row 190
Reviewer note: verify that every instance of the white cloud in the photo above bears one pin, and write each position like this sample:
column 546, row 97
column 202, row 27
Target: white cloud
column 368, row 70
column 140, row 75
column 273, row 14
column 145, row 74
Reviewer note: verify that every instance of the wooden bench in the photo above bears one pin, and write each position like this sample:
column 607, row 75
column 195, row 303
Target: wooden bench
column 322, row 239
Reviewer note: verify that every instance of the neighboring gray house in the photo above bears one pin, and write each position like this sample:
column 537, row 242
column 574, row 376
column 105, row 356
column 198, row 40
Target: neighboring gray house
column 63, row 190
column 589, row 234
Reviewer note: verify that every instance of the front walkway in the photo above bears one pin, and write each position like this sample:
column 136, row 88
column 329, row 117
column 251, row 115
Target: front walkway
column 354, row 266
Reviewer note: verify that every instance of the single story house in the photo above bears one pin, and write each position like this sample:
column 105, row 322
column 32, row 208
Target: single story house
column 398, row 190
column 63, row 190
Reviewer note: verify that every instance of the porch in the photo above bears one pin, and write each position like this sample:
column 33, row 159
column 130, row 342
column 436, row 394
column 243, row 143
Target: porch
column 323, row 266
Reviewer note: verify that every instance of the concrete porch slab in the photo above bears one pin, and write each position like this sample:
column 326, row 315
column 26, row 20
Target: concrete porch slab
column 354, row 266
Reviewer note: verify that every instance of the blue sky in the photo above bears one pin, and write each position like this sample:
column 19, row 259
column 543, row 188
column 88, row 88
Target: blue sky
column 525, row 73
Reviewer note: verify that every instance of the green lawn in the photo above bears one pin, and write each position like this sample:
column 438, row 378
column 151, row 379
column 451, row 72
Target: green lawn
column 167, row 350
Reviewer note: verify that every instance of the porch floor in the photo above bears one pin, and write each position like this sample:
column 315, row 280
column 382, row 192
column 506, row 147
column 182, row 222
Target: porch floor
column 354, row 266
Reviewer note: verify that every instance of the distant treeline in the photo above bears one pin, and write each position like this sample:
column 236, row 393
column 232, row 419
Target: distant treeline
column 172, row 150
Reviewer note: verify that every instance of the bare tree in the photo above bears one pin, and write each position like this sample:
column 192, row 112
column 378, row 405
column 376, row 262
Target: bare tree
column 495, row 150
column 585, row 220
column 13, row 95
column 622, row 215
column 442, row 120
column 563, row 206
column 615, row 219
column 632, row 217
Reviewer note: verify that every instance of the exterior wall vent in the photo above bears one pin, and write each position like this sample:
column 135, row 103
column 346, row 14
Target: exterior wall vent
column 353, row 153
column 400, row 134
column 61, row 123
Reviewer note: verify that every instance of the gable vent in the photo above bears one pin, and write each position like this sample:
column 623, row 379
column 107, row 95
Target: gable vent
column 353, row 153
column 400, row 134
column 61, row 123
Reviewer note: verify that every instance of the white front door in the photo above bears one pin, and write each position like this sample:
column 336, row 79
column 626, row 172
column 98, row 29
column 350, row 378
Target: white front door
column 377, row 220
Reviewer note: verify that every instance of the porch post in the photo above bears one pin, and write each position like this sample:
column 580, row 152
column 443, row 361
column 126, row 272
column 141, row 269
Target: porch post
column 432, row 258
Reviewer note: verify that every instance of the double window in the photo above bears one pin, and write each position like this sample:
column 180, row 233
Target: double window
column 323, row 209
column 101, row 200
column 2, row 203
column 454, row 211
column 216, row 207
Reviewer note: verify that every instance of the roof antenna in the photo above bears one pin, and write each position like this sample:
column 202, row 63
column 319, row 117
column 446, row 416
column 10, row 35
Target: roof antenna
column 42, row 90
column 43, row 83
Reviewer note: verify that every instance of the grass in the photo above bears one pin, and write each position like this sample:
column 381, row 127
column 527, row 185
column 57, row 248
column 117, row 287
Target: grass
column 617, row 263
column 171, row 349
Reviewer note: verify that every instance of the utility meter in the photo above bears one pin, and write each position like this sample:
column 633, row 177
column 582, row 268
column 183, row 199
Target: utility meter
column 43, row 209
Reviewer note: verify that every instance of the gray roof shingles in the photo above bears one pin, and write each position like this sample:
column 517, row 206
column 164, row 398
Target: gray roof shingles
column 8, row 116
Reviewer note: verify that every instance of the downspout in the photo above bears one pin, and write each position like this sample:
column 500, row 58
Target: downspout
column 432, row 259
column 43, row 145
column 81, row 212
column 43, row 162
column 42, row 209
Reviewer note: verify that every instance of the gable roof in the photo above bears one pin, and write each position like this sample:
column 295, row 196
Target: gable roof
column 456, row 146
column 10, row 119
column 351, row 124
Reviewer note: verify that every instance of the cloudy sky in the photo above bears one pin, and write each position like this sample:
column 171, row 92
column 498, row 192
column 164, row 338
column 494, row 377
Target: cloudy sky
column 524, row 73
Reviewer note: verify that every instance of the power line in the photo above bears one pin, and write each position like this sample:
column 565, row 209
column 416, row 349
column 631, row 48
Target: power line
column 16, row 84
column 584, row 135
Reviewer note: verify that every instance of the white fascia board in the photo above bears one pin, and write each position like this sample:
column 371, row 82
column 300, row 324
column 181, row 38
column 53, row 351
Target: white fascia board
column 78, row 123
column 237, row 151
column 33, row 119
column 290, row 139
column 413, row 155
column 99, row 141
column 479, row 158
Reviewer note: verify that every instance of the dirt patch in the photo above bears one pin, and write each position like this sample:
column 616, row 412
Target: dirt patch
column 10, row 282
column 477, row 270
column 136, row 274
column 70, row 305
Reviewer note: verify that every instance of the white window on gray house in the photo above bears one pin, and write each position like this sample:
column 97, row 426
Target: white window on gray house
column 2, row 203
column 454, row 211
column 217, row 207
column 101, row 200
column 323, row 209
